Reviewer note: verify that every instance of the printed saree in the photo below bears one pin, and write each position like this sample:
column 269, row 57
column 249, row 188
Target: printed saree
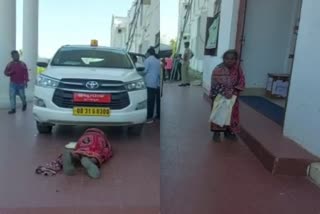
column 228, row 82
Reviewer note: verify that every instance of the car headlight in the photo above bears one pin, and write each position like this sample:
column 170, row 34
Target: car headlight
column 48, row 82
column 136, row 85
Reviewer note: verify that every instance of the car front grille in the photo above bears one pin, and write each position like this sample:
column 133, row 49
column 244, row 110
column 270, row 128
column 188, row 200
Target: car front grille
column 80, row 84
column 64, row 99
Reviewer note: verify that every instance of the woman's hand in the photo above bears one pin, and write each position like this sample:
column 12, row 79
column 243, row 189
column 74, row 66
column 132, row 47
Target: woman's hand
column 228, row 94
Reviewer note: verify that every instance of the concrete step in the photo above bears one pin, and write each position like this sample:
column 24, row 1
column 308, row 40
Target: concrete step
column 314, row 173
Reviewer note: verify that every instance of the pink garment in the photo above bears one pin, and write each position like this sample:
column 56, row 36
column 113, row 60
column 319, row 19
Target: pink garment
column 169, row 63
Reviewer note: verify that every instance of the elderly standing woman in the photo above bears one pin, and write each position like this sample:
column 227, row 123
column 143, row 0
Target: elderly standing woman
column 228, row 80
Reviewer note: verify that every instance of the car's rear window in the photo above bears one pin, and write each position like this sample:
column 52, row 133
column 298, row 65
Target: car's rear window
column 42, row 64
column 91, row 58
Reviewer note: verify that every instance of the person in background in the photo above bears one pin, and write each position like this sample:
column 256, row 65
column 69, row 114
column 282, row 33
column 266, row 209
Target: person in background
column 168, row 67
column 40, row 70
column 163, row 68
column 18, row 73
column 134, row 60
column 228, row 80
column 187, row 56
column 178, row 68
column 152, row 78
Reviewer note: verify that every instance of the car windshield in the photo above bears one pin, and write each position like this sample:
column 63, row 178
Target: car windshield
column 140, row 58
column 91, row 58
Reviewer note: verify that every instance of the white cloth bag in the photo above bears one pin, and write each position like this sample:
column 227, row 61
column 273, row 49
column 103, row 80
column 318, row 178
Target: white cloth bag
column 222, row 110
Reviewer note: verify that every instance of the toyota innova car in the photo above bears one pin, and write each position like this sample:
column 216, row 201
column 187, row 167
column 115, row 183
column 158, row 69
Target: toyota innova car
column 91, row 86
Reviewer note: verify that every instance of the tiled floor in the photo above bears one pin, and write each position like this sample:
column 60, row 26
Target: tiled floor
column 130, row 182
column 198, row 176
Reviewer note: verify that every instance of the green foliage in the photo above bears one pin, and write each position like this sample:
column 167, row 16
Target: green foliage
column 173, row 45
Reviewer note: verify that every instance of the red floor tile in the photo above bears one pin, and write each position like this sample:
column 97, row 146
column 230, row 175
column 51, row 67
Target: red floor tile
column 130, row 182
column 198, row 176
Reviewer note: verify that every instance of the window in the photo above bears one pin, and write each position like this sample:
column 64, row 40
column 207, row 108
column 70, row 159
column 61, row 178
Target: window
column 91, row 58
column 42, row 64
column 217, row 7
column 212, row 31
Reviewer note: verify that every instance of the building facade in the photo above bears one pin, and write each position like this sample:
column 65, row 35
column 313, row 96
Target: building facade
column 275, row 36
column 193, row 28
column 119, row 32
column 143, row 28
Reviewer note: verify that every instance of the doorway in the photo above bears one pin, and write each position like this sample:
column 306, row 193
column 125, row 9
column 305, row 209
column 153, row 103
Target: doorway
column 266, row 40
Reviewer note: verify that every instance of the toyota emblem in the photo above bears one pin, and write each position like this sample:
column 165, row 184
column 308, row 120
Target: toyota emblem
column 92, row 85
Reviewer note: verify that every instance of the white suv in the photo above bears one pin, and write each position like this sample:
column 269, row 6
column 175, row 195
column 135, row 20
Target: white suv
column 91, row 86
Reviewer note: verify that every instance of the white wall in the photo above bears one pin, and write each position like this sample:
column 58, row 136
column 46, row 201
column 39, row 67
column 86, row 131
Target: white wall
column 268, row 28
column 7, row 44
column 303, row 108
column 152, row 24
column 119, row 40
column 195, row 28
column 227, row 37
column 146, row 30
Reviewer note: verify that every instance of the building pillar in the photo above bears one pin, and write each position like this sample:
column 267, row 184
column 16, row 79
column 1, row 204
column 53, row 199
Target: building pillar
column 30, row 40
column 7, row 44
column 303, row 105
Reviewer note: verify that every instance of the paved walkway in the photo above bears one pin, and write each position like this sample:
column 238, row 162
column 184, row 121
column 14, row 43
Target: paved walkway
column 198, row 176
column 130, row 182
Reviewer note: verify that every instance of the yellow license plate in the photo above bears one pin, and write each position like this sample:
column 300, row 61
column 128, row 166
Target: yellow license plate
column 91, row 111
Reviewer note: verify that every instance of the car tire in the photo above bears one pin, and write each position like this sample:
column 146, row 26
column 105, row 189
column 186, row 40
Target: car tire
column 135, row 130
column 44, row 128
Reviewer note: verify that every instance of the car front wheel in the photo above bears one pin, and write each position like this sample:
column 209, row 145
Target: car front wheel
column 44, row 128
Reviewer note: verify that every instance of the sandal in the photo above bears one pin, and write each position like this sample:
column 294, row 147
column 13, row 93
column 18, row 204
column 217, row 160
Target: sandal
column 230, row 136
column 216, row 137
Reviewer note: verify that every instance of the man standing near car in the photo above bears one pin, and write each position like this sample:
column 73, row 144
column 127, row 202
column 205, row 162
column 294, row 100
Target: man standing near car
column 18, row 73
column 152, row 78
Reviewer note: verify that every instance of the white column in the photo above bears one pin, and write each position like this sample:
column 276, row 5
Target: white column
column 303, row 107
column 7, row 44
column 30, row 39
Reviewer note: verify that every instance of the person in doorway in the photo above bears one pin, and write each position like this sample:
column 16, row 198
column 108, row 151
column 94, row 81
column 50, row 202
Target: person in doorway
column 18, row 73
column 187, row 56
column 228, row 80
column 152, row 78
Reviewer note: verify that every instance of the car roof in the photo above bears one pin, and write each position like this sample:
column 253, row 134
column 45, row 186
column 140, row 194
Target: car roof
column 88, row 47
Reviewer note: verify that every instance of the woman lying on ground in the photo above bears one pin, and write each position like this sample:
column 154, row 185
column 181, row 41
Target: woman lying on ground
column 228, row 80
column 92, row 150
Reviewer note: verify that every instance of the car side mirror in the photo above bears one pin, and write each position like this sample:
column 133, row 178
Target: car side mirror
column 140, row 69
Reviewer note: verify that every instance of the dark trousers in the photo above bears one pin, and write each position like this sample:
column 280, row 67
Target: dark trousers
column 153, row 98
column 177, row 74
